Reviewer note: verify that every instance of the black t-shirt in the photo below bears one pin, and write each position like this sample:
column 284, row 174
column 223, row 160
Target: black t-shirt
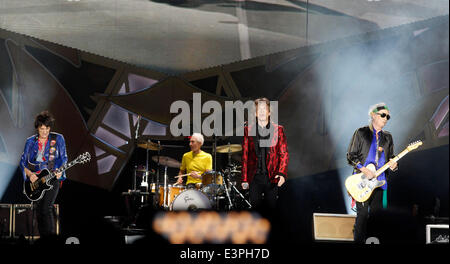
column 263, row 133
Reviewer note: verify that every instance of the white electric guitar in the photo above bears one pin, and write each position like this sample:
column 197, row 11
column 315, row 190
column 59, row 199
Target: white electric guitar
column 361, row 188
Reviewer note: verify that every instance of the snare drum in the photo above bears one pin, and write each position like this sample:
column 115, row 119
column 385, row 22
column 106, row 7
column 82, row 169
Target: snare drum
column 171, row 193
column 190, row 200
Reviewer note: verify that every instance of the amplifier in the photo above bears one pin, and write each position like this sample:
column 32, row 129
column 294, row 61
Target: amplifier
column 333, row 227
column 23, row 224
column 437, row 234
column 5, row 220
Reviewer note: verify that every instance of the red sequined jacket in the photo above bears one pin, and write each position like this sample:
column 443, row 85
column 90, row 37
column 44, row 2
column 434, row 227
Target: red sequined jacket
column 277, row 158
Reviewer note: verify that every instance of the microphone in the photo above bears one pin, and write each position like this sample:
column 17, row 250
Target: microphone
column 137, row 127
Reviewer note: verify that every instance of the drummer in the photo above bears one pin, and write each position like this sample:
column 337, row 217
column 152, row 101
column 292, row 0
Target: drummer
column 195, row 163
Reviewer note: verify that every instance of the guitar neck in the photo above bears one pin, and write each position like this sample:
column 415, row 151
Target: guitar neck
column 62, row 169
column 387, row 165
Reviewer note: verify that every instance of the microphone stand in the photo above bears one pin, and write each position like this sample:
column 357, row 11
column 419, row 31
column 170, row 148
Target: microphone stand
column 136, row 133
column 215, row 153
column 157, row 177
column 137, row 128
column 146, row 174
column 33, row 215
column 215, row 189
column 166, row 202
column 134, row 178
column 132, row 199
column 225, row 175
column 242, row 196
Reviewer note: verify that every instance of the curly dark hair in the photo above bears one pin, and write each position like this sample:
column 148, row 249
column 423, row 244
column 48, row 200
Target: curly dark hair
column 44, row 118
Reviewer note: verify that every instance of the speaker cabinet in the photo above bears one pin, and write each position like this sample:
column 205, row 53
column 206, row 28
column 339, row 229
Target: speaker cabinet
column 23, row 221
column 437, row 234
column 333, row 227
column 5, row 220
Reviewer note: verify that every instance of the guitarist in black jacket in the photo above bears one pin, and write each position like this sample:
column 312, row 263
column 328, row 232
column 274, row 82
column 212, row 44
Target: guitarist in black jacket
column 371, row 145
column 45, row 150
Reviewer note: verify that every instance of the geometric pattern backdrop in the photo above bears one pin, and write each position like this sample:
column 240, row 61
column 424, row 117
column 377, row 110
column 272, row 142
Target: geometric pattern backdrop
column 323, row 93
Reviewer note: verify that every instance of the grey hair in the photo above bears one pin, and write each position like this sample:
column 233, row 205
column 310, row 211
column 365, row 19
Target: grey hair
column 373, row 107
column 199, row 137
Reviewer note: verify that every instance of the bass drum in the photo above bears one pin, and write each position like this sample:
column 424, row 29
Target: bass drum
column 190, row 200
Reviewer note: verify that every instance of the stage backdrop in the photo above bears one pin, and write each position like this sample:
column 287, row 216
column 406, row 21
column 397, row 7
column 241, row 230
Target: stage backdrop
column 323, row 93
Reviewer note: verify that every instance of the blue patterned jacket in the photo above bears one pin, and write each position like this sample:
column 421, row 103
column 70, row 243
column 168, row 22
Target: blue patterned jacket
column 55, row 150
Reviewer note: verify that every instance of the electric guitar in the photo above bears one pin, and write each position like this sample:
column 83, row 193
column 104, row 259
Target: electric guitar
column 34, row 191
column 361, row 188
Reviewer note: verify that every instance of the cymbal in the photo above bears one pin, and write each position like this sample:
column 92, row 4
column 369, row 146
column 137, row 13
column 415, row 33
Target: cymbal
column 167, row 161
column 148, row 145
column 229, row 148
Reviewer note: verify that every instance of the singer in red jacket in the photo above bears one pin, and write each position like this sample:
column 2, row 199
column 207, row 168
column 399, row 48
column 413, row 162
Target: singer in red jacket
column 264, row 166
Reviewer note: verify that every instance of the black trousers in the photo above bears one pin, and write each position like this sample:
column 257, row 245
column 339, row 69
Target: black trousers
column 45, row 211
column 263, row 197
column 363, row 211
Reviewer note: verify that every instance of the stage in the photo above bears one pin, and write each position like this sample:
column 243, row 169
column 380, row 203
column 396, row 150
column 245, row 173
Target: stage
column 129, row 82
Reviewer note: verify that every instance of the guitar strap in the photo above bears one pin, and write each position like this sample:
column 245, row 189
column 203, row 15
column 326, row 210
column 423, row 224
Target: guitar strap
column 377, row 152
column 32, row 166
column 51, row 162
column 377, row 156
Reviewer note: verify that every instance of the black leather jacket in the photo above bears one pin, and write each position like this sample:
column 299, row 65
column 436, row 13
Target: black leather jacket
column 360, row 145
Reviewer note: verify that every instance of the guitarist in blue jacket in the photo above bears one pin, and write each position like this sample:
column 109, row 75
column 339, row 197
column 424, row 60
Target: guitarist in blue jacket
column 44, row 150
column 371, row 145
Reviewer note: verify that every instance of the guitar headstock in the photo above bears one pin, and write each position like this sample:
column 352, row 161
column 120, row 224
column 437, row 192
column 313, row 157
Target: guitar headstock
column 414, row 145
column 83, row 158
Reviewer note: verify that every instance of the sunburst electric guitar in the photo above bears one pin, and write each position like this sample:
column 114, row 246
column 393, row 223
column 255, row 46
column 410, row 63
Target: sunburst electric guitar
column 34, row 191
column 361, row 188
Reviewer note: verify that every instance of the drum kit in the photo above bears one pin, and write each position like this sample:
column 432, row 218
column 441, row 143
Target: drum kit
column 219, row 190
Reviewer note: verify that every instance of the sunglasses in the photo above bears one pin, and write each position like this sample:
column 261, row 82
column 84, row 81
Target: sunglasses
column 383, row 115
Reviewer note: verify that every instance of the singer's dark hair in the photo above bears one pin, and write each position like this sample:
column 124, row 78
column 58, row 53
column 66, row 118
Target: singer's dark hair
column 44, row 118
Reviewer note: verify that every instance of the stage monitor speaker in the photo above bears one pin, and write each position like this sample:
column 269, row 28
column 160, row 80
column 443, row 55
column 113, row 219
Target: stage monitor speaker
column 333, row 227
column 23, row 224
column 437, row 234
column 5, row 220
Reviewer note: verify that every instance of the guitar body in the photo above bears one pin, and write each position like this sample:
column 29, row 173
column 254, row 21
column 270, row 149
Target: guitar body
column 361, row 188
column 35, row 191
